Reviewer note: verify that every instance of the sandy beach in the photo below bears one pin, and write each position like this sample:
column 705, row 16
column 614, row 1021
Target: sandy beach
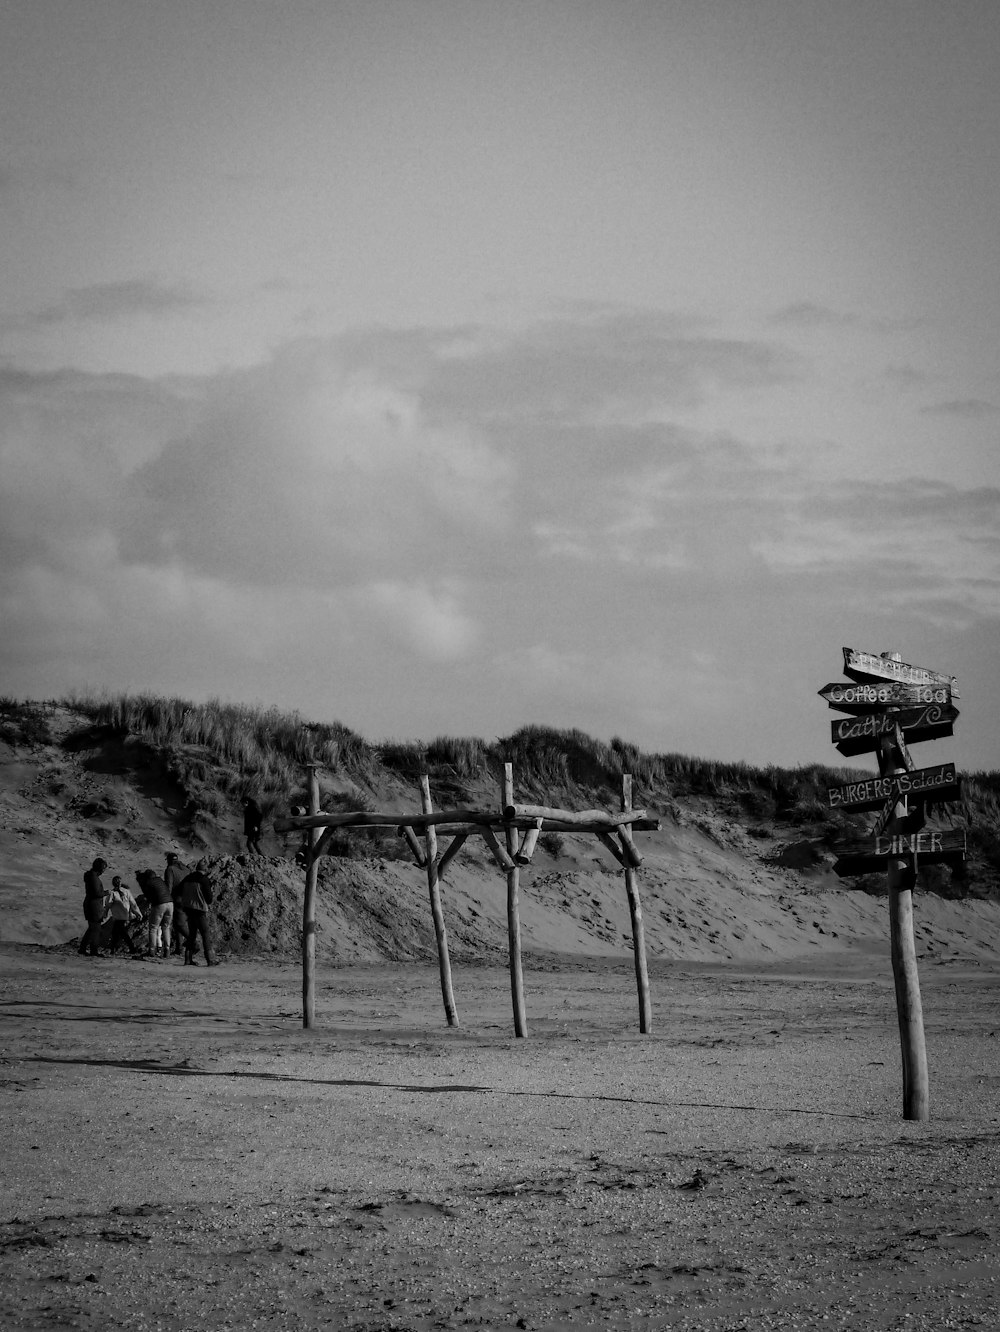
column 180, row 1154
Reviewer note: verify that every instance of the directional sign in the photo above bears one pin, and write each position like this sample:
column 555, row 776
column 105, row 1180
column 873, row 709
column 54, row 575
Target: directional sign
column 910, row 822
column 939, row 782
column 885, row 817
column 868, row 697
column 868, row 665
column 929, row 848
column 861, row 733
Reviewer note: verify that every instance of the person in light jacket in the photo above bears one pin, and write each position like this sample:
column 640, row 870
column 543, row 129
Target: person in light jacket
column 124, row 909
column 161, row 912
column 196, row 898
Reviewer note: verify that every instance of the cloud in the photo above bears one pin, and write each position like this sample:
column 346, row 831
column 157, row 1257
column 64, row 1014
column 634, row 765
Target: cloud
column 970, row 409
column 307, row 471
column 429, row 619
column 914, row 544
column 427, row 528
column 809, row 314
column 812, row 315
column 107, row 301
column 610, row 366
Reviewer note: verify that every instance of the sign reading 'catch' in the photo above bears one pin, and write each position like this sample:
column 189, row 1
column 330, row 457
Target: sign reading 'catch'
column 862, row 734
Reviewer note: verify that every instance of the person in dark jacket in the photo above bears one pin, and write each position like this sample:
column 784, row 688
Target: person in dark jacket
column 161, row 912
column 94, row 907
column 253, row 819
column 196, row 898
column 173, row 876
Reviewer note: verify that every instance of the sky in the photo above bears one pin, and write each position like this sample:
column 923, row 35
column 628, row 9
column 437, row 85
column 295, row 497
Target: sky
column 445, row 368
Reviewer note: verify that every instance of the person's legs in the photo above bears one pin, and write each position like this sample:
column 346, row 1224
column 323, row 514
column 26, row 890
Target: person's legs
column 191, row 942
column 155, row 916
column 166, row 921
column 91, row 941
column 206, row 940
column 183, row 938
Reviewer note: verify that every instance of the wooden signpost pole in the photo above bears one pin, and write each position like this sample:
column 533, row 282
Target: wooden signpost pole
column 309, row 909
column 909, row 1011
column 894, row 704
column 635, row 911
column 513, row 910
column 437, row 911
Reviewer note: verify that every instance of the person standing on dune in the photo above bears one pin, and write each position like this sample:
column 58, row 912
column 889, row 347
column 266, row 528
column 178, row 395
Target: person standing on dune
column 253, row 819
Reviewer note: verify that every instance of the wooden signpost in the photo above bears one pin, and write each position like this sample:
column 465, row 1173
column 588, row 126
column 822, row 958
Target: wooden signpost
column 891, row 704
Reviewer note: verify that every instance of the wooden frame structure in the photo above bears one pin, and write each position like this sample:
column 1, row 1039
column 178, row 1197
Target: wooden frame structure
column 511, row 834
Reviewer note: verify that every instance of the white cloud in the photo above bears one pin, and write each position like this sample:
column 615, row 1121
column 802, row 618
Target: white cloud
column 431, row 620
column 306, row 471
column 415, row 530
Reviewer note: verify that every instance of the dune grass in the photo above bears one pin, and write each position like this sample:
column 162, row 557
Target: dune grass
column 218, row 752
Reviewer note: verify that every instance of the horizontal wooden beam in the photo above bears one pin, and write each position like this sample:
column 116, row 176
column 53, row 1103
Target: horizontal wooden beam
column 598, row 817
column 362, row 818
column 471, row 821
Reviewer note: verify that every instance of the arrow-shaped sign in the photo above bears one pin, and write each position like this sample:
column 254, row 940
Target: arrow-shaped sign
column 929, row 848
column 861, row 733
column 867, row 697
column 939, row 782
column 868, row 666
column 912, row 821
column 885, row 817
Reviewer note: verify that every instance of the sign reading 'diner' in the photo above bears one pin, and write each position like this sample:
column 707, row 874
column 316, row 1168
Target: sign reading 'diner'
column 940, row 782
column 929, row 848
column 866, row 665
column 861, row 734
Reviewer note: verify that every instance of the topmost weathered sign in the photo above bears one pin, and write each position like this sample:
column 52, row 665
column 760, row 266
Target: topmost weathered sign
column 870, row 666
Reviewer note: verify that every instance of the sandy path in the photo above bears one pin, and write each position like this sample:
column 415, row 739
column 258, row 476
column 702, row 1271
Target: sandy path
column 180, row 1154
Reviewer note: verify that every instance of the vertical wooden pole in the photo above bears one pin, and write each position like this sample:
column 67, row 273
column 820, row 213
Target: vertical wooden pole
column 437, row 912
column 635, row 911
column 513, row 911
column 309, row 909
column 909, row 1011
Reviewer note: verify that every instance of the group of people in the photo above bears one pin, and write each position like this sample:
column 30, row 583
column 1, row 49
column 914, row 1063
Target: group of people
column 174, row 907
